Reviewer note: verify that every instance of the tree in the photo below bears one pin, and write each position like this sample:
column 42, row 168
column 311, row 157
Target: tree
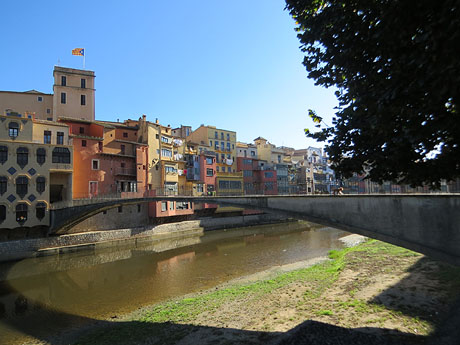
column 397, row 66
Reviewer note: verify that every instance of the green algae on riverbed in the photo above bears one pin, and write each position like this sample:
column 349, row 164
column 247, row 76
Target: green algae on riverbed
column 343, row 291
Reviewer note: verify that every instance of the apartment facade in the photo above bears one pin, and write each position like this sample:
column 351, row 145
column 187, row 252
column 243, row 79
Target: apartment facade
column 35, row 170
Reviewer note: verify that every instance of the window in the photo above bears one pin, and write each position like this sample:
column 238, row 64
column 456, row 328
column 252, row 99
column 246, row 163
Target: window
column 235, row 184
column 47, row 137
column 229, row 169
column 209, row 172
column 228, row 136
column 22, row 156
column 268, row 174
column 63, row 97
column 170, row 169
column 164, row 206
column 222, row 156
column 216, row 136
column 40, row 98
column 3, row 184
column 122, row 149
column 95, row 164
column 21, row 213
column 63, row 80
column 40, row 184
column 229, row 157
column 209, row 160
column 217, row 169
column 41, row 155
column 120, row 209
column 228, row 146
column 199, row 188
column 61, row 155
column 122, row 164
column 125, row 134
column 223, row 184
column 182, row 205
column 217, row 158
column 253, row 153
column 3, row 154
column 138, row 208
column 171, row 205
column 48, row 110
column 247, row 161
column 22, row 184
column 166, row 153
column 13, row 129
column 82, row 130
column 2, row 213
column 83, row 143
column 221, row 136
column 60, row 138
column 99, row 145
column 247, row 173
column 40, row 209
column 165, row 140
column 83, row 83
column 222, row 145
column 82, row 99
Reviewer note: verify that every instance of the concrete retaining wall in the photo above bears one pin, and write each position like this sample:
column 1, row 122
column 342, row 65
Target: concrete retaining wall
column 20, row 249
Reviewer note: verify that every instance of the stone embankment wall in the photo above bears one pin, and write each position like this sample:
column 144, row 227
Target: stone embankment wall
column 26, row 248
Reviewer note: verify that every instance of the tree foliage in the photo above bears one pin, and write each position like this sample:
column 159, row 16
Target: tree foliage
column 397, row 66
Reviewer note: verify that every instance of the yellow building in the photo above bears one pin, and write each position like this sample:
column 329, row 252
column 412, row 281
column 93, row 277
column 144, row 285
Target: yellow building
column 73, row 96
column 223, row 143
column 35, row 170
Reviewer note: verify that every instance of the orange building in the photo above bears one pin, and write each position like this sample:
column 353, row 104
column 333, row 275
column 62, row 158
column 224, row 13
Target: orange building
column 107, row 158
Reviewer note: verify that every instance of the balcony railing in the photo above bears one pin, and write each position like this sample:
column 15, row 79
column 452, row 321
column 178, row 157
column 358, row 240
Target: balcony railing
column 126, row 172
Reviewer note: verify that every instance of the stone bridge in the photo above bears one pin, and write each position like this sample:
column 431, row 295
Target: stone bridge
column 429, row 224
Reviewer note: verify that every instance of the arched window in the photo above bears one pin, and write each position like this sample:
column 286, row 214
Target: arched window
column 40, row 184
column 41, row 155
column 23, row 156
column 40, row 210
column 2, row 213
column 3, row 154
column 61, row 155
column 22, row 183
column 21, row 213
column 3, row 184
column 13, row 129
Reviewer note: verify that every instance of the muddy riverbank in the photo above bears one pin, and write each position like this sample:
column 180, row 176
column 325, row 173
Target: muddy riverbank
column 371, row 293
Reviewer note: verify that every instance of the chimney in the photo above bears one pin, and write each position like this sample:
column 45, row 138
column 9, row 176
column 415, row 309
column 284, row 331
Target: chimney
column 156, row 121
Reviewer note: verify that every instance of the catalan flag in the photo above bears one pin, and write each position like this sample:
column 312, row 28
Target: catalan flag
column 78, row 51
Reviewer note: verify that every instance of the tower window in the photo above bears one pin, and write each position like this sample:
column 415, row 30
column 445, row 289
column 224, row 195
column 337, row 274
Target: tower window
column 63, row 80
column 63, row 97
column 83, row 83
column 83, row 100
column 47, row 137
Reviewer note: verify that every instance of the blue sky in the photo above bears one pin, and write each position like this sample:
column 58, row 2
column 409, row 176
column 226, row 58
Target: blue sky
column 234, row 64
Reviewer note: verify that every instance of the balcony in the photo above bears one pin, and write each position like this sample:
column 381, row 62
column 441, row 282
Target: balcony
column 125, row 172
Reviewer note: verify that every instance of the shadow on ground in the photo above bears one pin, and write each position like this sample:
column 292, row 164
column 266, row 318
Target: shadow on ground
column 92, row 331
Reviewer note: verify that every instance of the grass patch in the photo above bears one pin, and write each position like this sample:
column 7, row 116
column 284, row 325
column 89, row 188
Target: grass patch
column 324, row 312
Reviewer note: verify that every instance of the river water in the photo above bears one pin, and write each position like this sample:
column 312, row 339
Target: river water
column 43, row 296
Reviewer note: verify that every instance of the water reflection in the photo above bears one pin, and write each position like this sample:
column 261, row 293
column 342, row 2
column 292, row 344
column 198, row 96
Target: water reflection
column 106, row 283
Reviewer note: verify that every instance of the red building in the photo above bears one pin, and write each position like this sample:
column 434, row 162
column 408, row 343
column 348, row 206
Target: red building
column 259, row 177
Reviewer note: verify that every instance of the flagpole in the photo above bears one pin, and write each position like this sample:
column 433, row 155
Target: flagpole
column 84, row 55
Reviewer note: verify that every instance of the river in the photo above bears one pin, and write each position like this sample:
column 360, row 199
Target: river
column 44, row 296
